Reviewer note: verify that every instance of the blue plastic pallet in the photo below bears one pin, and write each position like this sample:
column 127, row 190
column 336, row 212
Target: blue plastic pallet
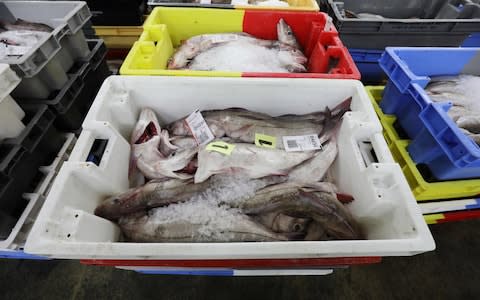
column 367, row 63
column 436, row 140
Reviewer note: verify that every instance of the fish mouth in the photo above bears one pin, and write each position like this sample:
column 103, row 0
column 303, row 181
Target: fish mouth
column 149, row 132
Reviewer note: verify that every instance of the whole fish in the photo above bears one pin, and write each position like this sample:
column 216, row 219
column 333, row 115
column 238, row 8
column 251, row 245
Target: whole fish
column 321, row 207
column 248, row 159
column 149, row 142
column 148, row 228
column 161, row 193
column 25, row 25
column 243, row 125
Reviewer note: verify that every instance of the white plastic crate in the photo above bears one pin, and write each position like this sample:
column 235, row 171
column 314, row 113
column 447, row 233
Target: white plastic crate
column 11, row 114
column 16, row 239
column 384, row 205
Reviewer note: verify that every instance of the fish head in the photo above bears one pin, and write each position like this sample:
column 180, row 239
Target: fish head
column 285, row 34
column 184, row 54
column 147, row 127
column 288, row 55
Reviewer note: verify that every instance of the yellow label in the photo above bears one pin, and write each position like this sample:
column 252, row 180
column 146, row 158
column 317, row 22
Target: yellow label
column 266, row 141
column 221, row 147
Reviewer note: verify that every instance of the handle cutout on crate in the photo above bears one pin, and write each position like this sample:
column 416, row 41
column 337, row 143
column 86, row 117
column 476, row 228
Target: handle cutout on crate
column 96, row 151
column 368, row 153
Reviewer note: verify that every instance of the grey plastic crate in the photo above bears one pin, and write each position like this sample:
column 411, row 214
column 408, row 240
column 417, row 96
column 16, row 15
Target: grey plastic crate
column 66, row 17
column 43, row 69
column 434, row 23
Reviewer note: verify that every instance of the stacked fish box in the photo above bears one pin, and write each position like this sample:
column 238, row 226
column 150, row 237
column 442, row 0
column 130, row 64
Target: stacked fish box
column 48, row 82
column 324, row 55
column 438, row 159
column 27, row 141
column 367, row 27
column 71, row 223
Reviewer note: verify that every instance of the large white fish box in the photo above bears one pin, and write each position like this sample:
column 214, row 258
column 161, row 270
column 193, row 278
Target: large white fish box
column 384, row 205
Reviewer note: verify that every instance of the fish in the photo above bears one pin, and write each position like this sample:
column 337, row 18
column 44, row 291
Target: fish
column 147, row 228
column 286, row 36
column 248, row 159
column 158, row 193
column 321, row 207
column 242, row 125
column 148, row 143
column 20, row 24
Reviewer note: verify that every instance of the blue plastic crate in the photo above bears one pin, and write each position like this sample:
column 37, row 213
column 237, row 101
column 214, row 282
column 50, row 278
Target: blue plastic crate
column 367, row 63
column 436, row 140
column 472, row 41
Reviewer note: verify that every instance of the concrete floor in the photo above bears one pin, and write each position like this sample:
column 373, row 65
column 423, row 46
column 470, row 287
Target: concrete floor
column 451, row 272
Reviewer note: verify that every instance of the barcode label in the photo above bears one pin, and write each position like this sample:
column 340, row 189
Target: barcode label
column 199, row 128
column 292, row 144
column 301, row 143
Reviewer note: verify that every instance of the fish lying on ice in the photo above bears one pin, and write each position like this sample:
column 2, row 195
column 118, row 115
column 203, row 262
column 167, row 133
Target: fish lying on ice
column 161, row 193
column 148, row 227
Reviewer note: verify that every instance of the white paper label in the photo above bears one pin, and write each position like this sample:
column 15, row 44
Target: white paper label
column 301, row 143
column 205, row 1
column 199, row 128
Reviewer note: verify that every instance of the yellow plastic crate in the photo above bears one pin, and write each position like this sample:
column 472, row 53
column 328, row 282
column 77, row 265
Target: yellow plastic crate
column 119, row 37
column 293, row 5
column 167, row 27
column 422, row 190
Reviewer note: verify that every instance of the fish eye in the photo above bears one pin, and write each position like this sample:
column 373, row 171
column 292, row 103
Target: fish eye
column 115, row 200
column 297, row 227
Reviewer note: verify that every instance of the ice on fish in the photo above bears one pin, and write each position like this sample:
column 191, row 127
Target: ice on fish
column 205, row 217
column 239, row 56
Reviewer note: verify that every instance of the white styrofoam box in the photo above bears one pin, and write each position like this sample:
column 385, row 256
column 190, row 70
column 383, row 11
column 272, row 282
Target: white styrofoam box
column 11, row 114
column 20, row 231
column 384, row 205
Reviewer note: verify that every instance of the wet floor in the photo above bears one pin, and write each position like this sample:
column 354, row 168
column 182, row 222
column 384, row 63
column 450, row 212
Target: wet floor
column 451, row 272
